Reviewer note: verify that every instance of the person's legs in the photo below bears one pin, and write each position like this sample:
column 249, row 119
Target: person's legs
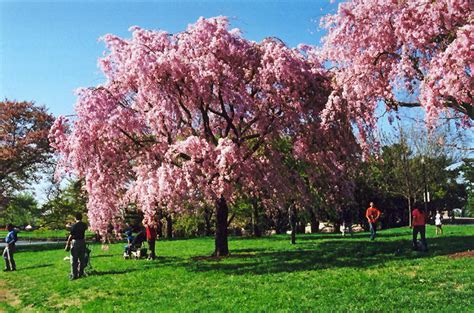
column 372, row 231
column 415, row 235
column 74, row 260
column 82, row 257
column 423, row 237
column 11, row 252
column 7, row 259
column 151, row 246
column 440, row 229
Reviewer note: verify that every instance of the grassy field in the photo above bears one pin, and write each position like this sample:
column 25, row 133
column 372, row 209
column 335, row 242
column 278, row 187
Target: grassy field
column 321, row 272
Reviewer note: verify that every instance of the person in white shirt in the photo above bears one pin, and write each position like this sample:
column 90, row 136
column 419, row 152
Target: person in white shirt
column 438, row 223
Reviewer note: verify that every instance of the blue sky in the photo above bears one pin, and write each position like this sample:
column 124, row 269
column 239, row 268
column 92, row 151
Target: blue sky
column 50, row 48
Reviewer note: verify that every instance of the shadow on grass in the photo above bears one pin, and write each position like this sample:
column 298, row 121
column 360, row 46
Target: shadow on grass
column 104, row 255
column 327, row 254
column 160, row 261
column 111, row 272
column 34, row 266
column 40, row 247
column 359, row 235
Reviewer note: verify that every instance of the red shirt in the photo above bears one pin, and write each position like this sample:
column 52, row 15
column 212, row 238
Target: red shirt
column 372, row 214
column 150, row 232
column 419, row 218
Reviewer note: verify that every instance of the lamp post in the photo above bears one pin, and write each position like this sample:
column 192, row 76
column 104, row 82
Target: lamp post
column 425, row 192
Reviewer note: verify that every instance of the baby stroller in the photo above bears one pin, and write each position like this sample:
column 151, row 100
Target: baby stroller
column 136, row 250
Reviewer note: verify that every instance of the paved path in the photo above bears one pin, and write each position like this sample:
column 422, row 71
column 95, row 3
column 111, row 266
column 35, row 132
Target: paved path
column 37, row 242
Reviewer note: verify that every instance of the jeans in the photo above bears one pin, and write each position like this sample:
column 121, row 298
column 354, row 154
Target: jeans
column 8, row 256
column 373, row 231
column 419, row 229
column 78, row 257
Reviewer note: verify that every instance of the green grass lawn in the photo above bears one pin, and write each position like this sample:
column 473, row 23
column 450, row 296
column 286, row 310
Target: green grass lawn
column 321, row 272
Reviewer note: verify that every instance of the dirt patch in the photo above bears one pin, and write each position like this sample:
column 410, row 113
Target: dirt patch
column 7, row 296
column 465, row 254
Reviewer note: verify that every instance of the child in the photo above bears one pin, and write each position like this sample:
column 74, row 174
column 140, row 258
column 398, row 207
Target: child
column 130, row 239
column 438, row 223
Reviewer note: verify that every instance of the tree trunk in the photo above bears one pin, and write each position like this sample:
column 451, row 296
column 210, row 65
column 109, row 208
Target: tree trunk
column 292, row 218
column 221, row 243
column 255, row 229
column 280, row 223
column 169, row 226
column 313, row 221
column 159, row 225
column 409, row 211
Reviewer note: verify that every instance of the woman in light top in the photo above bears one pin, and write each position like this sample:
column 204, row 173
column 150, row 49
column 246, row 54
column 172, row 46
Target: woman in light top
column 439, row 223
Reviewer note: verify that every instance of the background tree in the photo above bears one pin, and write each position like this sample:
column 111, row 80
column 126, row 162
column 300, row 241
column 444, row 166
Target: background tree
column 396, row 179
column 62, row 204
column 467, row 170
column 22, row 210
column 24, row 146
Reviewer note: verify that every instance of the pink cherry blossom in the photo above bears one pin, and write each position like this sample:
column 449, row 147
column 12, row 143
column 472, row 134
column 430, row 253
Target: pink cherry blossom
column 383, row 50
column 194, row 118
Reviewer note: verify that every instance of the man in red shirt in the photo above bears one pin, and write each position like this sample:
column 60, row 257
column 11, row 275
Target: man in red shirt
column 418, row 223
column 372, row 215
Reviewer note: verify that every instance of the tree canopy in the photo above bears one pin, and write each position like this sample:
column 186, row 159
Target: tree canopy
column 24, row 145
column 403, row 53
column 194, row 117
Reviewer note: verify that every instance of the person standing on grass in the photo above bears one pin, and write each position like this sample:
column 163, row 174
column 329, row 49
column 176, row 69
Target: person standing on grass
column 151, row 238
column 418, row 224
column 10, row 249
column 372, row 214
column 76, row 242
column 438, row 223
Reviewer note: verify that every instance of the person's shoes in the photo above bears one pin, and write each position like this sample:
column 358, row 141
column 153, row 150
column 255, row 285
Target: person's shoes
column 6, row 270
column 71, row 277
column 14, row 269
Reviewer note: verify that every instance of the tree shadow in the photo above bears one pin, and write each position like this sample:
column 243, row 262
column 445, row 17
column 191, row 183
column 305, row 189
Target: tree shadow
column 40, row 247
column 358, row 235
column 160, row 261
column 329, row 254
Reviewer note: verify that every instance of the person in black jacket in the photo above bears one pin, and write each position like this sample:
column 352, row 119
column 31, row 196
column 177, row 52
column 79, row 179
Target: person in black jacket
column 77, row 244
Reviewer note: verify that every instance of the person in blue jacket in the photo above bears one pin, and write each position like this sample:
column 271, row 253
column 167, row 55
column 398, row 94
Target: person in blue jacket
column 10, row 248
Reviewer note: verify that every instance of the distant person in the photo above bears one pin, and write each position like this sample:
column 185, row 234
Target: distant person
column 439, row 223
column 76, row 243
column 418, row 223
column 151, row 238
column 10, row 249
column 372, row 214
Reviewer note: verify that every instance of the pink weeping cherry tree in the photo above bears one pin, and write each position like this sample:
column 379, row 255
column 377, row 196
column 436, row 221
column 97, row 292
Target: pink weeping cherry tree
column 412, row 53
column 193, row 117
